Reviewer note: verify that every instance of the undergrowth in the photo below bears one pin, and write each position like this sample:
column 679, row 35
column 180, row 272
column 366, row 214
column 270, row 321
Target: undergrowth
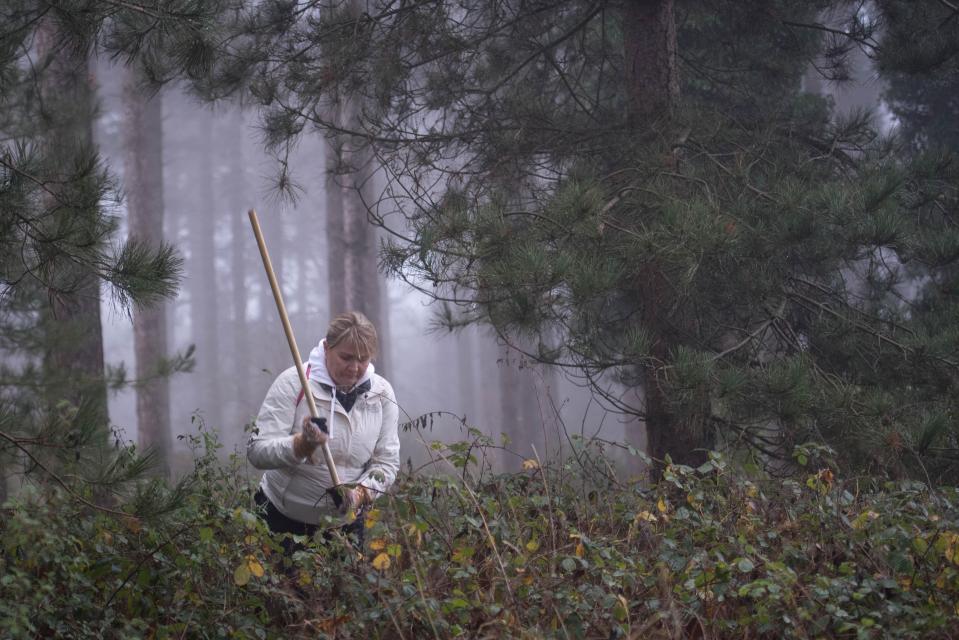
column 561, row 551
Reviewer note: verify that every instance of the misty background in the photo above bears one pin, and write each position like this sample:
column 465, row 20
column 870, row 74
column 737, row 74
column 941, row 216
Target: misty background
column 214, row 170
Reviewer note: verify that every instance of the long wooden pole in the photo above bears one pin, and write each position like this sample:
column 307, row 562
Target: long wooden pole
column 278, row 296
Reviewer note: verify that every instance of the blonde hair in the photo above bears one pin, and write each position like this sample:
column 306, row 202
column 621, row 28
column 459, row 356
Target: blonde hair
column 353, row 326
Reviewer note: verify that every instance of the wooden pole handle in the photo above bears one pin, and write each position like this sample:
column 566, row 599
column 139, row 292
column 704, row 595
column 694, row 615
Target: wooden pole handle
column 278, row 296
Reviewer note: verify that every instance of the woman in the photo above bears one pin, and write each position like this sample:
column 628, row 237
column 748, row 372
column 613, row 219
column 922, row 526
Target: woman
column 361, row 420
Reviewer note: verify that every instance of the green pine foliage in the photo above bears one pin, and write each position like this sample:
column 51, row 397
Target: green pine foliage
column 59, row 204
column 770, row 269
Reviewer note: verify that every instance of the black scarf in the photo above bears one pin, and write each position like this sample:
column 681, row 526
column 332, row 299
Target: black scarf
column 348, row 398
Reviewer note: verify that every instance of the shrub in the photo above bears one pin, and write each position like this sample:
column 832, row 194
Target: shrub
column 552, row 551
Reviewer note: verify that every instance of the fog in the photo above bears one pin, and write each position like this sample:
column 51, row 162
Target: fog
column 214, row 170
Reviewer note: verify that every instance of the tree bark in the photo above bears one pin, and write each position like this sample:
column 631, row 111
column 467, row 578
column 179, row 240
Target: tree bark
column 354, row 277
column 649, row 34
column 236, row 196
column 143, row 177
column 649, row 37
column 519, row 408
column 204, row 307
column 335, row 233
column 74, row 365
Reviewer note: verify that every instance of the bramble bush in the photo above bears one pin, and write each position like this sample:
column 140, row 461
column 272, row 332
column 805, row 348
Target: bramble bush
column 565, row 551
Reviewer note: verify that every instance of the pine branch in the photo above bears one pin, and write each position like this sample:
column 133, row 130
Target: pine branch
column 18, row 444
column 870, row 44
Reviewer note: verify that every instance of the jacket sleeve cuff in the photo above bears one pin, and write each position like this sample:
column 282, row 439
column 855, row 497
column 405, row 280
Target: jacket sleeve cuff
column 286, row 446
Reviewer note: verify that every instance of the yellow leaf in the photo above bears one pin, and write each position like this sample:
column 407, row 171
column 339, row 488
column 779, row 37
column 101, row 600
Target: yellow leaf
column 304, row 579
column 580, row 550
column 752, row 491
column 661, row 505
column 621, row 609
column 826, row 477
column 254, row 566
column 530, row 464
column 381, row 562
column 646, row 516
column 414, row 532
column 241, row 575
column 377, row 545
column 533, row 545
column 863, row 518
column 372, row 517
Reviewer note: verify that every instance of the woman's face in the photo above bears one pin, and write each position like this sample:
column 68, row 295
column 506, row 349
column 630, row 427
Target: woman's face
column 346, row 363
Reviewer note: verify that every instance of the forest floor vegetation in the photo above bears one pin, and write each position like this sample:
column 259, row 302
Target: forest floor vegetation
column 558, row 551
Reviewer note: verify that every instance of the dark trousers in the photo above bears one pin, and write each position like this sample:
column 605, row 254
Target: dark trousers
column 280, row 524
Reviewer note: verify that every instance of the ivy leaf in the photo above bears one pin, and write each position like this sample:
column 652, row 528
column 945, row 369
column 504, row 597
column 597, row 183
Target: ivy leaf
column 463, row 554
column 241, row 576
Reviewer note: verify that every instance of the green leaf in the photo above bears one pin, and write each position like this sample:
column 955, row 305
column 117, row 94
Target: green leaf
column 241, row 576
column 745, row 565
column 206, row 534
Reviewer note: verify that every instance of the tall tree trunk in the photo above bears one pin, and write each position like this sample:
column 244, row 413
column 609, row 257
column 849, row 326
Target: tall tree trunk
column 351, row 239
column 236, row 197
column 143, row 177
column 466, row 370
column 649, row 37
column 649, row 34
column 75, row 362
column 335, row 233
column 519, row 408
column 204, row 307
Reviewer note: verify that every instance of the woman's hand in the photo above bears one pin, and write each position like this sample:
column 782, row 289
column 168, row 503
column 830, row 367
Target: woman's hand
column 309, row 438
column 354, row 498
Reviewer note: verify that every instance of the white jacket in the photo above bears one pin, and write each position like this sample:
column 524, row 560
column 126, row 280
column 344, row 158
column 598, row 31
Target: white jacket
column 364, row 444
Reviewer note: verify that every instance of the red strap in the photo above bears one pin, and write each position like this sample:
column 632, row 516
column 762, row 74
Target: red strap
column 300, row 397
